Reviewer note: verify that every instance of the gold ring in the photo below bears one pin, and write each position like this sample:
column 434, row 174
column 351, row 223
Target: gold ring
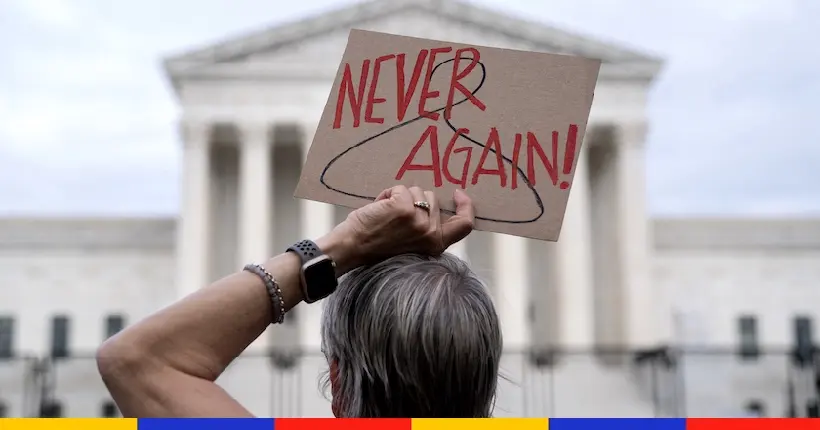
column 422, row 205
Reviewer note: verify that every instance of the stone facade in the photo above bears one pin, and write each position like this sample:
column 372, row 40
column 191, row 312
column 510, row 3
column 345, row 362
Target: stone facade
column 616, row 281
column 710, row 271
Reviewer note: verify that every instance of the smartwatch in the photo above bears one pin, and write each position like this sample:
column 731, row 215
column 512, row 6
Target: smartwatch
column 318, row 271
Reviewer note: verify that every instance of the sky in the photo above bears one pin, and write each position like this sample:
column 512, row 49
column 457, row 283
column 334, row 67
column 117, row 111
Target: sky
column 87, row 117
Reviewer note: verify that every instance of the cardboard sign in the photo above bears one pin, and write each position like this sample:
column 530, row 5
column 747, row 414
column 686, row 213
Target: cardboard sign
column 506, row 126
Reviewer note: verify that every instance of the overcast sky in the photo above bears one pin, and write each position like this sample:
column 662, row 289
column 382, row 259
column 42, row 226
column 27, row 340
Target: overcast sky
column 86, row 117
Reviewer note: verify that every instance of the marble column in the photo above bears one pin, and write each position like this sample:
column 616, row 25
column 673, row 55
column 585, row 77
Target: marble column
column 511, row 296
column 573, row 258
column 193, row 230
column 255, row 201
column 255, row 193
column 606, row 241
column 317, row 220
column 646, row 313
column 511, row 272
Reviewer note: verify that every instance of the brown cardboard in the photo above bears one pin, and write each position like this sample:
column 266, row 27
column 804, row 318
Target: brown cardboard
column 519, row 97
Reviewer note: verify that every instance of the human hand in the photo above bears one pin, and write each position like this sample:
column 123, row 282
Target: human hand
column 393, row 225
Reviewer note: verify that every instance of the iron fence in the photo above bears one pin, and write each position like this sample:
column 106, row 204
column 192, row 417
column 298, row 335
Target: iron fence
column 536, row 383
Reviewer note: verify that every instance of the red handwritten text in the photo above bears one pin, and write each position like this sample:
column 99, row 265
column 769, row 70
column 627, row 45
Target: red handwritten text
column 364, row 93
column 492, row 159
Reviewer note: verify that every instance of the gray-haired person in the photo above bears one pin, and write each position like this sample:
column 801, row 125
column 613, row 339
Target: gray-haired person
column 408, row 331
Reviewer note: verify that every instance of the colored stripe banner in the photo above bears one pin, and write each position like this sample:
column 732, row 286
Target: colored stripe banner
column 68, row 424
column 409, row 424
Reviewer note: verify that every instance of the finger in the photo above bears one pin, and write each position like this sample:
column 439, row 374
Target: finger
column 418, row 196
column 435, row 212
column 384, row 195
column 390, row 192
column 460, row 224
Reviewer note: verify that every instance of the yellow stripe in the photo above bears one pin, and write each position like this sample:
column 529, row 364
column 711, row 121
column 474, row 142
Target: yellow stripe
column 68, row 424
column 481, row 424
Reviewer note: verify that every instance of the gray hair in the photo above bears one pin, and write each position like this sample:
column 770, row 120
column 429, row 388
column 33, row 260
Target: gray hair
column 413, row 336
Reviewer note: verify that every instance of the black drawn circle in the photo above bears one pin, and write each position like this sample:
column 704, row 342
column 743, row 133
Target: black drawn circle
column 519, row 172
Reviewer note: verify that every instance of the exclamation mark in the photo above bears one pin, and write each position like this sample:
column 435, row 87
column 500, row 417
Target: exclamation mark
column 569, row 153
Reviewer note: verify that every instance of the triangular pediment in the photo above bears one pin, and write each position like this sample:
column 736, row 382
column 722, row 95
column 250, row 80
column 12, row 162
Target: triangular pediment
column 315, row 45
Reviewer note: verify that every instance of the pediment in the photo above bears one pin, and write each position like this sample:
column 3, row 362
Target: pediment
column 313, row 47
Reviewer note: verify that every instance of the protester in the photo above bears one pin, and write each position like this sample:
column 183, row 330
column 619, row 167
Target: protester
column 409, row 332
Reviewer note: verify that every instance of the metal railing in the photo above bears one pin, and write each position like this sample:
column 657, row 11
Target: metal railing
column 658, row 383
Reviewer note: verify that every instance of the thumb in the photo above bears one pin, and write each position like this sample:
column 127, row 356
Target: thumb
column 386, row 194
column 460, row 224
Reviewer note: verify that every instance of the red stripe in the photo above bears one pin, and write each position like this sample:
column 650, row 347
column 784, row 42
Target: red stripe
column 752, row 424
column 342, row 424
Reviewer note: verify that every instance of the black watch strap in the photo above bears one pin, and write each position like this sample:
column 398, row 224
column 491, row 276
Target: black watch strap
column 306, row 250
column 318, row 273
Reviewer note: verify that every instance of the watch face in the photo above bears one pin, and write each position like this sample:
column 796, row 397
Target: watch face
column 320, row 278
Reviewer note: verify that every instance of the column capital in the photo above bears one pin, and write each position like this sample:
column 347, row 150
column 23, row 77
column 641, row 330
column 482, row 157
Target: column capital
column 309, row 127
column 631, row 133
column 255, row 132
column 308, row 133
column 195, row 132
column 310, row 123
column 620, row 134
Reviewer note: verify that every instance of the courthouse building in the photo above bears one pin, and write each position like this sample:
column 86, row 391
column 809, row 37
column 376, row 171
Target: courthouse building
column 626, row 315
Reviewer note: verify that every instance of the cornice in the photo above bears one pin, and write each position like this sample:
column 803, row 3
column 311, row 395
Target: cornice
column 87, row 234
column 736, row 234
column 158, row 234
column 214, row 61
column 642, row 72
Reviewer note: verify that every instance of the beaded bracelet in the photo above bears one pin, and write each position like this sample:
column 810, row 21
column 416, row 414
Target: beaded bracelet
column 274, row 291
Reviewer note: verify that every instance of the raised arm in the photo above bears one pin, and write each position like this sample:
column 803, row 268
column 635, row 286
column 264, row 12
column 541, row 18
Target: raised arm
column 166, row 365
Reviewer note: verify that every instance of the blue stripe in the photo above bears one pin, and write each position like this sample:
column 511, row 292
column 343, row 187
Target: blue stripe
column 617, row 424
column 205, row 424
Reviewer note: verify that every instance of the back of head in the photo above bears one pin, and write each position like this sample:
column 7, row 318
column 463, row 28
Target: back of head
column 412, row 336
